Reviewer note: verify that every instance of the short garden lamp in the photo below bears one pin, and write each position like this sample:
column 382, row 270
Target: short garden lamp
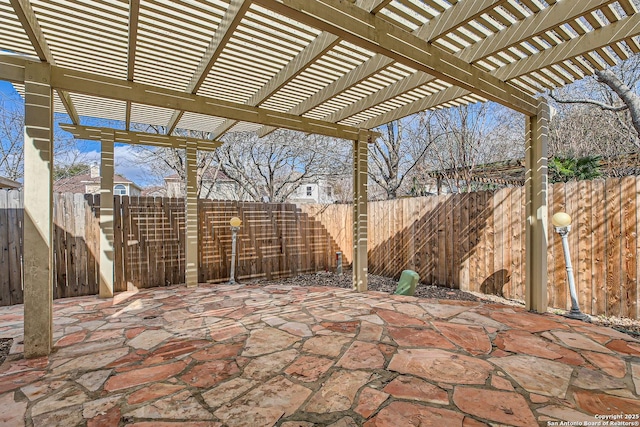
column 562, row 224
column 235, row 224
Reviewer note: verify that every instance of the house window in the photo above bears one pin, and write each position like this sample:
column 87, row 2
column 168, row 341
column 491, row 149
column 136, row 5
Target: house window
column 309, row 190
column 328, row 190
column 120, row 190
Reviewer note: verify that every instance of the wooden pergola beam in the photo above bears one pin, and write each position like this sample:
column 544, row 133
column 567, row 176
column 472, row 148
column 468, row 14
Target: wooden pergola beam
column 95, row 133
column 451, row 17
column 230, row 21
column 30, row 24
column 407, row 84
column 356, row 26
column 422, row 104
column 402, row 86
column 12, row 69
column 134, row 10
column 111, row 88
column 318, row 47
column 615, row 32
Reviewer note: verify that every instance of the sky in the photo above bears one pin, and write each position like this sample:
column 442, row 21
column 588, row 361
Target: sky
column 125, row 159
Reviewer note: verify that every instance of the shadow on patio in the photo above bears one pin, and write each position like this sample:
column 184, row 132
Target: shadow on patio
column 260, row 356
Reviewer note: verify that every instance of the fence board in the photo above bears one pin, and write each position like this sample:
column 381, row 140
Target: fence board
column 629, row 244
column 598, row 248
column 614, row 234
column 482, row 251
column 583, row 256
column 5, row 265
column 499, row 244
column 517, row 231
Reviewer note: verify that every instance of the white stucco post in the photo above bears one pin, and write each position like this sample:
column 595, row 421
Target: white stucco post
column 536, row 209
column 191, row 202
column 106, row 214
column 360, row 176
column 38, row 211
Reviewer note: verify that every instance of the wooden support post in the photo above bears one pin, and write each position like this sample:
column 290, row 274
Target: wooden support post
column 360, row 176
column 106, row 215
column 536, row 209
column 191, row 201
column 38, row 211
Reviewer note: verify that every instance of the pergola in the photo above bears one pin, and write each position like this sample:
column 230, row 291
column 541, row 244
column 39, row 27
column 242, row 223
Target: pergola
column 332, row 67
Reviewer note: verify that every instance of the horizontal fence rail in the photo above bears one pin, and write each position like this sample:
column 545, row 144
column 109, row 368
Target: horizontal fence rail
column 473, row 241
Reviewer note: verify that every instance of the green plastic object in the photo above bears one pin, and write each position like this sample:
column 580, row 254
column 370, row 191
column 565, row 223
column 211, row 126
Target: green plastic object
column 407, row 284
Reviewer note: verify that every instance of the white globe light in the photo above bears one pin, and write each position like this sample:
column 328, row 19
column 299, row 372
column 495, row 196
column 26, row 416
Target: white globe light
column 235, row 222
column 561, row 219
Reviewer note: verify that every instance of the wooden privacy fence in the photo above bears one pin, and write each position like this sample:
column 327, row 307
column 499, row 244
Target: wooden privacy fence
column 476, row 242
column 275, row 240
column 470, row 241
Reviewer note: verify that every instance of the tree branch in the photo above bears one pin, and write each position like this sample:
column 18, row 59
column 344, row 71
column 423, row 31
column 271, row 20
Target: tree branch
column 588, row 101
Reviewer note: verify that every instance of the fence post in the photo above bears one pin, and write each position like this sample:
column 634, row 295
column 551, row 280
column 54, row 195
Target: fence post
column 106, row 214
column 38, row 211
column 360, row 176
column 536, row 210
column 191, row 217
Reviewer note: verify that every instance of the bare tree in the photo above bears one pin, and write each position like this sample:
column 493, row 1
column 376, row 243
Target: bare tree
column 401, row 148
column 579, row 130
column 272, row 168
column 472, row 135
column 613, row 91
column 67, row 156
column 165, row 161
column 11, row 137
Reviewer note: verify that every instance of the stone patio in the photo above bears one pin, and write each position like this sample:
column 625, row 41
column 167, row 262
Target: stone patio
column 221, row 355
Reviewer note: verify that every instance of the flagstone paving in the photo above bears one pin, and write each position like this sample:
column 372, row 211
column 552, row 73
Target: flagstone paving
column 222, row 355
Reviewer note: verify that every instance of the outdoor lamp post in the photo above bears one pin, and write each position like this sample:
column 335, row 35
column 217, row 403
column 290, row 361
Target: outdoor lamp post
column 235, row 223
column 562, row 224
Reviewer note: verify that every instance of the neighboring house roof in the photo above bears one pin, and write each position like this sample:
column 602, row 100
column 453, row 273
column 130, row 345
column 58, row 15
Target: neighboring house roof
column 9, row 183
column 78, row 183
